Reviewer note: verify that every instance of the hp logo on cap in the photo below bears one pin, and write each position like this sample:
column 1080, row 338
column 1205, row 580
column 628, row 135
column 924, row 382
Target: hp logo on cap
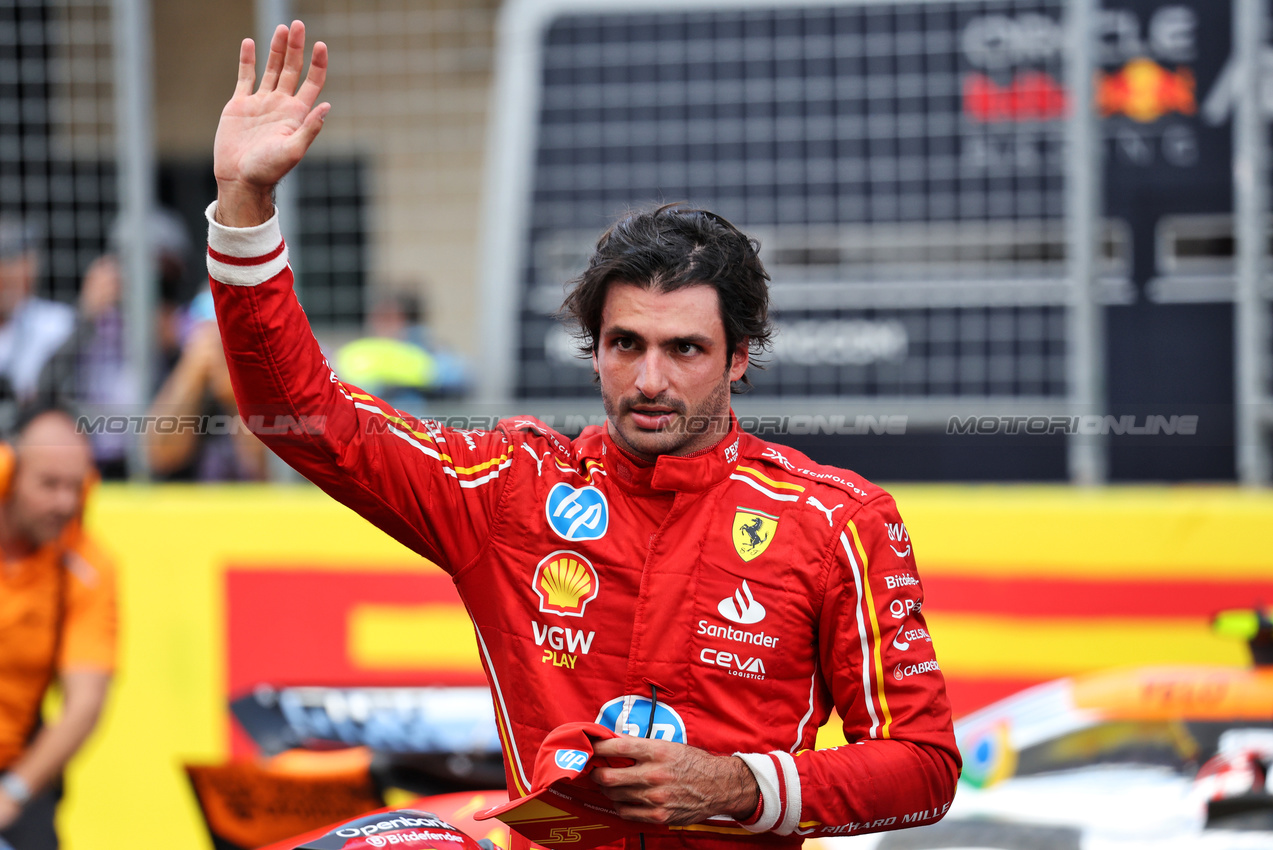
column 571, row 759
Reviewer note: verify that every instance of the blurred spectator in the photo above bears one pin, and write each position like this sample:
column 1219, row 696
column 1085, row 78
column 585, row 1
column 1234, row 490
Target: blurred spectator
column 31, row 329
column 57, row 604
column 92, row 368
column 398, row 361
column 97, row 357
column 221, row 448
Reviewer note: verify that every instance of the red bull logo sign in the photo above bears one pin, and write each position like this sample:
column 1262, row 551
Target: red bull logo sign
column 1145, row 91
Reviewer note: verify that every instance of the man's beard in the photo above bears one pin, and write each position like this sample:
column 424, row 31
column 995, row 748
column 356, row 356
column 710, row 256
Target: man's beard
column 690, row 430
column 41, row 529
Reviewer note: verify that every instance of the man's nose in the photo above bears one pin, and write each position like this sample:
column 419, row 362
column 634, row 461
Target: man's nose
column 67, row 501
column 652, row 374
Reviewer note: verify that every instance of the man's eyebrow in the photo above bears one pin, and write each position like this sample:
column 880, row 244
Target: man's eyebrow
column 703, row 340
column 616, row 330
column 693, row 339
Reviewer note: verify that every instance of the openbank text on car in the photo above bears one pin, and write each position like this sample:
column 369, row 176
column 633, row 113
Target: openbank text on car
column 1091, row 424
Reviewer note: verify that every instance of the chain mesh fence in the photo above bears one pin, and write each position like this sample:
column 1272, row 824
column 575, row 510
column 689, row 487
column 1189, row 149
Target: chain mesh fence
column 901, row 163
column 57, row 139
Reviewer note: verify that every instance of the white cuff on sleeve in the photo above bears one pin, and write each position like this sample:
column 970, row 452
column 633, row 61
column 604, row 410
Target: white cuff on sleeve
column 766, row 773
column 792, row 803
column 244, row 256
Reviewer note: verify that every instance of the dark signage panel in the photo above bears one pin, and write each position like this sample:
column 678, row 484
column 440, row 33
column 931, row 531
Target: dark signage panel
column 901, row 163
column 904, row 166
column 1166, row 90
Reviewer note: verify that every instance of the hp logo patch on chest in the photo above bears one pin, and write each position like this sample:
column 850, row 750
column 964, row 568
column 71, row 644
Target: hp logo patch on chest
column 577, row 514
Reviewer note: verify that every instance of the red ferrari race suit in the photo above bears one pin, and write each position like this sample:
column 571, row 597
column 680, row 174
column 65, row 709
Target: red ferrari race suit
column 743, row 593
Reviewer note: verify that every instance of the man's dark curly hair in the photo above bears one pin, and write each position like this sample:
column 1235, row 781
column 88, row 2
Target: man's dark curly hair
column 669, row 248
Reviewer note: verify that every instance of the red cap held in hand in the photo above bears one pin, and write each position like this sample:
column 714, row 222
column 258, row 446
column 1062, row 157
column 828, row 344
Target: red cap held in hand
column 564, row 807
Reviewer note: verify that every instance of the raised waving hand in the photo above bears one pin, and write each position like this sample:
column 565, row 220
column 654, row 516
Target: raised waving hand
column 263, row 134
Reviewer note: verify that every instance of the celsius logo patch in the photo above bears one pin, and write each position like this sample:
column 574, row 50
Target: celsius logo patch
column 910, row 635
column 630, row 715
column 565, row 583
column 753, row 530
column 742, row 608
column 570, row 759
column 577, row 514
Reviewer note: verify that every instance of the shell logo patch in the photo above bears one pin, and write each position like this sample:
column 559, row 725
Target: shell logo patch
column 565, row 583
column 753, row 531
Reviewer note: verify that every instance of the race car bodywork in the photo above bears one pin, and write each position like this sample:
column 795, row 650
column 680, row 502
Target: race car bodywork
column 1111, row 760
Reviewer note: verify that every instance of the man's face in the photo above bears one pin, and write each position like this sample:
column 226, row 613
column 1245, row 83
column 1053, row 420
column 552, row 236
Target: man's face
column 48, row 483
column 661, row 358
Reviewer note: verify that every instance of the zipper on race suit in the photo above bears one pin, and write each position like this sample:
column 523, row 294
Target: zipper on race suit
column 649, row 729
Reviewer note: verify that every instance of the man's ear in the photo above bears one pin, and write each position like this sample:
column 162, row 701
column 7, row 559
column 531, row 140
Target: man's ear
column 741, row 360
column 595, row 369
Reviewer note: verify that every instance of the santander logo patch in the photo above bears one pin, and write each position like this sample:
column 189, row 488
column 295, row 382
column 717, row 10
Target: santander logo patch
column 742, row 607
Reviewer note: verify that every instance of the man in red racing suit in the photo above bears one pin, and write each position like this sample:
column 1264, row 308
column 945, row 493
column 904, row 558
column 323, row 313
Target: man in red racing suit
column 727, row 599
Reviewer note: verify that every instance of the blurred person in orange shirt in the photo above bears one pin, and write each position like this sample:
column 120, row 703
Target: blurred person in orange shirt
column 57, row 620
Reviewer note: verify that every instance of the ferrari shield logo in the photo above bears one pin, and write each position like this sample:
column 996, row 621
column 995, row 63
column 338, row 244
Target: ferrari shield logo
column 752, row 532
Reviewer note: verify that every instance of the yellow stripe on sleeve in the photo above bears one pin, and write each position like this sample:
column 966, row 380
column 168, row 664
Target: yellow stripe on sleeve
column 397, row 420
column 782, row 485
column 442, row 456
column 465, row 470
column 875, row 630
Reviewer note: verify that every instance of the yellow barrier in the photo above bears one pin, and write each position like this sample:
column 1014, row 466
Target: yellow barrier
column 174, row 545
